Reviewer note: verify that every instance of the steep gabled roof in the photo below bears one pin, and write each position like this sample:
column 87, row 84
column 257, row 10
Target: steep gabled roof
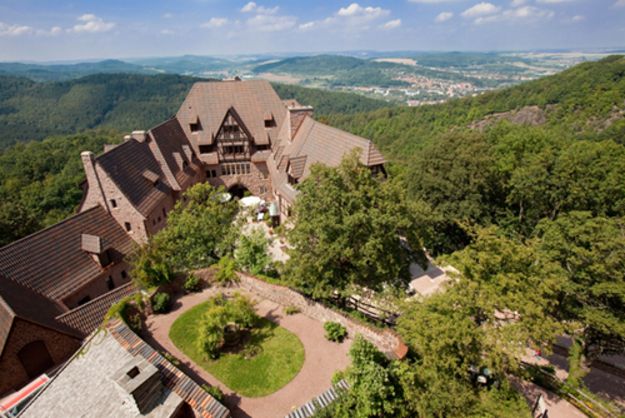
column 85, row 318
column 18, row 301
column 316, row 142
column 175, row 148
column 51, row 262
column 209, row 102
column 131, row 165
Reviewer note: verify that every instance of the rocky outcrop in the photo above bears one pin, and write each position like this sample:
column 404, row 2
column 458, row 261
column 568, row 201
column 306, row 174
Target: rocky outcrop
column 528, row 115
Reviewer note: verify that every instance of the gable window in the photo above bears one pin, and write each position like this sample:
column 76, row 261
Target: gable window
column 262, row 147
column 231, row 129
column 128, row 226
column 110, row 284
column 233, row 149
column 211, row 174
column 113, row 203
column 206, row 149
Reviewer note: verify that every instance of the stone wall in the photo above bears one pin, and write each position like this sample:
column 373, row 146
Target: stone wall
column 385, row 340
column 12, row 374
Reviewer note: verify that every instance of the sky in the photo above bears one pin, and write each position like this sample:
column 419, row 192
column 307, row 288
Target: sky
column 56, row 30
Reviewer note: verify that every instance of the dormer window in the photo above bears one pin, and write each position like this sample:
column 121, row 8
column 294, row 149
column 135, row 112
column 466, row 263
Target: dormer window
column 271, row 123
column 206, row 149
column 195, row 126
column 151, row 176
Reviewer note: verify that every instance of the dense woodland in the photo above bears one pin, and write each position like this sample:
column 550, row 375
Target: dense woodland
column 124, row 102
column 530, row 210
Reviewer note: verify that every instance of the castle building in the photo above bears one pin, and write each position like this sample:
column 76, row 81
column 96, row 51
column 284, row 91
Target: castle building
column 56, row 285
column 235, row 134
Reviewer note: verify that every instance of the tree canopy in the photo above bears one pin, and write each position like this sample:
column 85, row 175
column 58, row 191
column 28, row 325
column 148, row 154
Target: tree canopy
column 350, row 227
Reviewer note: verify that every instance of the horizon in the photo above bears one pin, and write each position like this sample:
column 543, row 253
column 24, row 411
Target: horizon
column 36, row 31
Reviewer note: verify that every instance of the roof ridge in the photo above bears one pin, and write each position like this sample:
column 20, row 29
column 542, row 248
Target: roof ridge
column 47, row 228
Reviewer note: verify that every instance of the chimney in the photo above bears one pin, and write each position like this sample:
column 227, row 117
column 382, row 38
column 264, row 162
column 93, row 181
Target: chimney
column 296, row 114
column 140, row 136
column 94, row 192
column 139, row 382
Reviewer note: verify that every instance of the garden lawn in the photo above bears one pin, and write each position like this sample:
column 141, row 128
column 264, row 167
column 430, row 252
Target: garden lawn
column 279, row 355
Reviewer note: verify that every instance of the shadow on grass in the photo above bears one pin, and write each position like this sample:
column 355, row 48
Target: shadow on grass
column 250, row 341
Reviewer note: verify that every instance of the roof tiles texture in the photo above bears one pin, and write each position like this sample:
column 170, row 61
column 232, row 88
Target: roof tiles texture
column 52, row 263
column 133, row 168
column 89, row 316
column 210, row 101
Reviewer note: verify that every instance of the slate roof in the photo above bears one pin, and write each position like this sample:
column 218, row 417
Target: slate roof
column 128, row 165
column 175, row 149
column 52, row 263
column 210, row 101
column 85, row 318
column 18, row 301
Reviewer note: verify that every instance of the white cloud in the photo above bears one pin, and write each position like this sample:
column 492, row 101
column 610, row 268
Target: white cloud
column 271, row 23
column 307, row 25
column 252, row 7
column 620, row 3
column 167, row 15
column 215, row 22
column 56, row 30
column 14, row 30
column 356, row 10
column 391, row 24
column 443, row 17
column 91, row 23
column 167, row 32
column 481, row 9
column 517, row 3
column 353, row 18
column 553, row 1
column 525, row 13
column 578, row 18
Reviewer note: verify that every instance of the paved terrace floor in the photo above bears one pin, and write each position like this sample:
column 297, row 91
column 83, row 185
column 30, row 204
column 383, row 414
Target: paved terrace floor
column 323, row 357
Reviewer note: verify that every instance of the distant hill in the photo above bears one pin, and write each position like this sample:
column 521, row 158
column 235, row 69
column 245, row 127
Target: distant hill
column 62, row 72
column 124, row 102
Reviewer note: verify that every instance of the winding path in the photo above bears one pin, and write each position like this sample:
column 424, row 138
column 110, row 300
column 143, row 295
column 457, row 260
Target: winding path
column 323, row 357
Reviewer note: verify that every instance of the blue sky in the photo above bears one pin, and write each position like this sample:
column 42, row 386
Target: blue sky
column 88, row 29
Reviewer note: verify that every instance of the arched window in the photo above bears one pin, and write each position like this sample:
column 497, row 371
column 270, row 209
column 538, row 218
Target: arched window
column 35, row 358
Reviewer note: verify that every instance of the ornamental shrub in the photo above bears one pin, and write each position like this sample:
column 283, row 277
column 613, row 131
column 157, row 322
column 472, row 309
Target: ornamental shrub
column 335, row 331
column 161, row 302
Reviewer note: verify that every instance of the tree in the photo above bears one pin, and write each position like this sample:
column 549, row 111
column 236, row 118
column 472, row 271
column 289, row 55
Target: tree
column 350, row 228
column 373, row 388
column 224, row 317
column 200, row 229
column 252, row 253
column 591, row 250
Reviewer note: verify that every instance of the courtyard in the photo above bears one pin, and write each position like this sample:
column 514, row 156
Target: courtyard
column 273, row 392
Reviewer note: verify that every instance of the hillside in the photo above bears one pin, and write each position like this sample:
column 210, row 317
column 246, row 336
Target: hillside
column 124, row 102
column 512, row 157
column 63, row 72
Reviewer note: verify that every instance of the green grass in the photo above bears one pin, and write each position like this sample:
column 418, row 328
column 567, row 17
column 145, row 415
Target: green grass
column 278, row 355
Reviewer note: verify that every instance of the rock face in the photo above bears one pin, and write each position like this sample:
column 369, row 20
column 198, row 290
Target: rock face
column 528, row 115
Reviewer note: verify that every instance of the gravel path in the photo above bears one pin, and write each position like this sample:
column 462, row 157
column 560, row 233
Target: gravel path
column 323, row 358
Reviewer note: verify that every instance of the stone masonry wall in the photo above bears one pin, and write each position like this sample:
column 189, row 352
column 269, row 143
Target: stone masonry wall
column 12, row 373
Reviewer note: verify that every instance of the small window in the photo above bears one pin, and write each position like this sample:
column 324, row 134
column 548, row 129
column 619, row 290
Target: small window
column 195, row 126
column 110, row 284
column 159, row 219
column 262, row 147
column 113, row 203
column 164, row 213
column 270, row 123
column 84, row 300
column 124, row 274
column 128, row 226
column 206, row 149
column 185, row 164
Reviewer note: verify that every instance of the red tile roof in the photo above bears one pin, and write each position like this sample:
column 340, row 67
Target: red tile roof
column 89, row 316
column 210, row 101
column 52, row 263
column 126, row 164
